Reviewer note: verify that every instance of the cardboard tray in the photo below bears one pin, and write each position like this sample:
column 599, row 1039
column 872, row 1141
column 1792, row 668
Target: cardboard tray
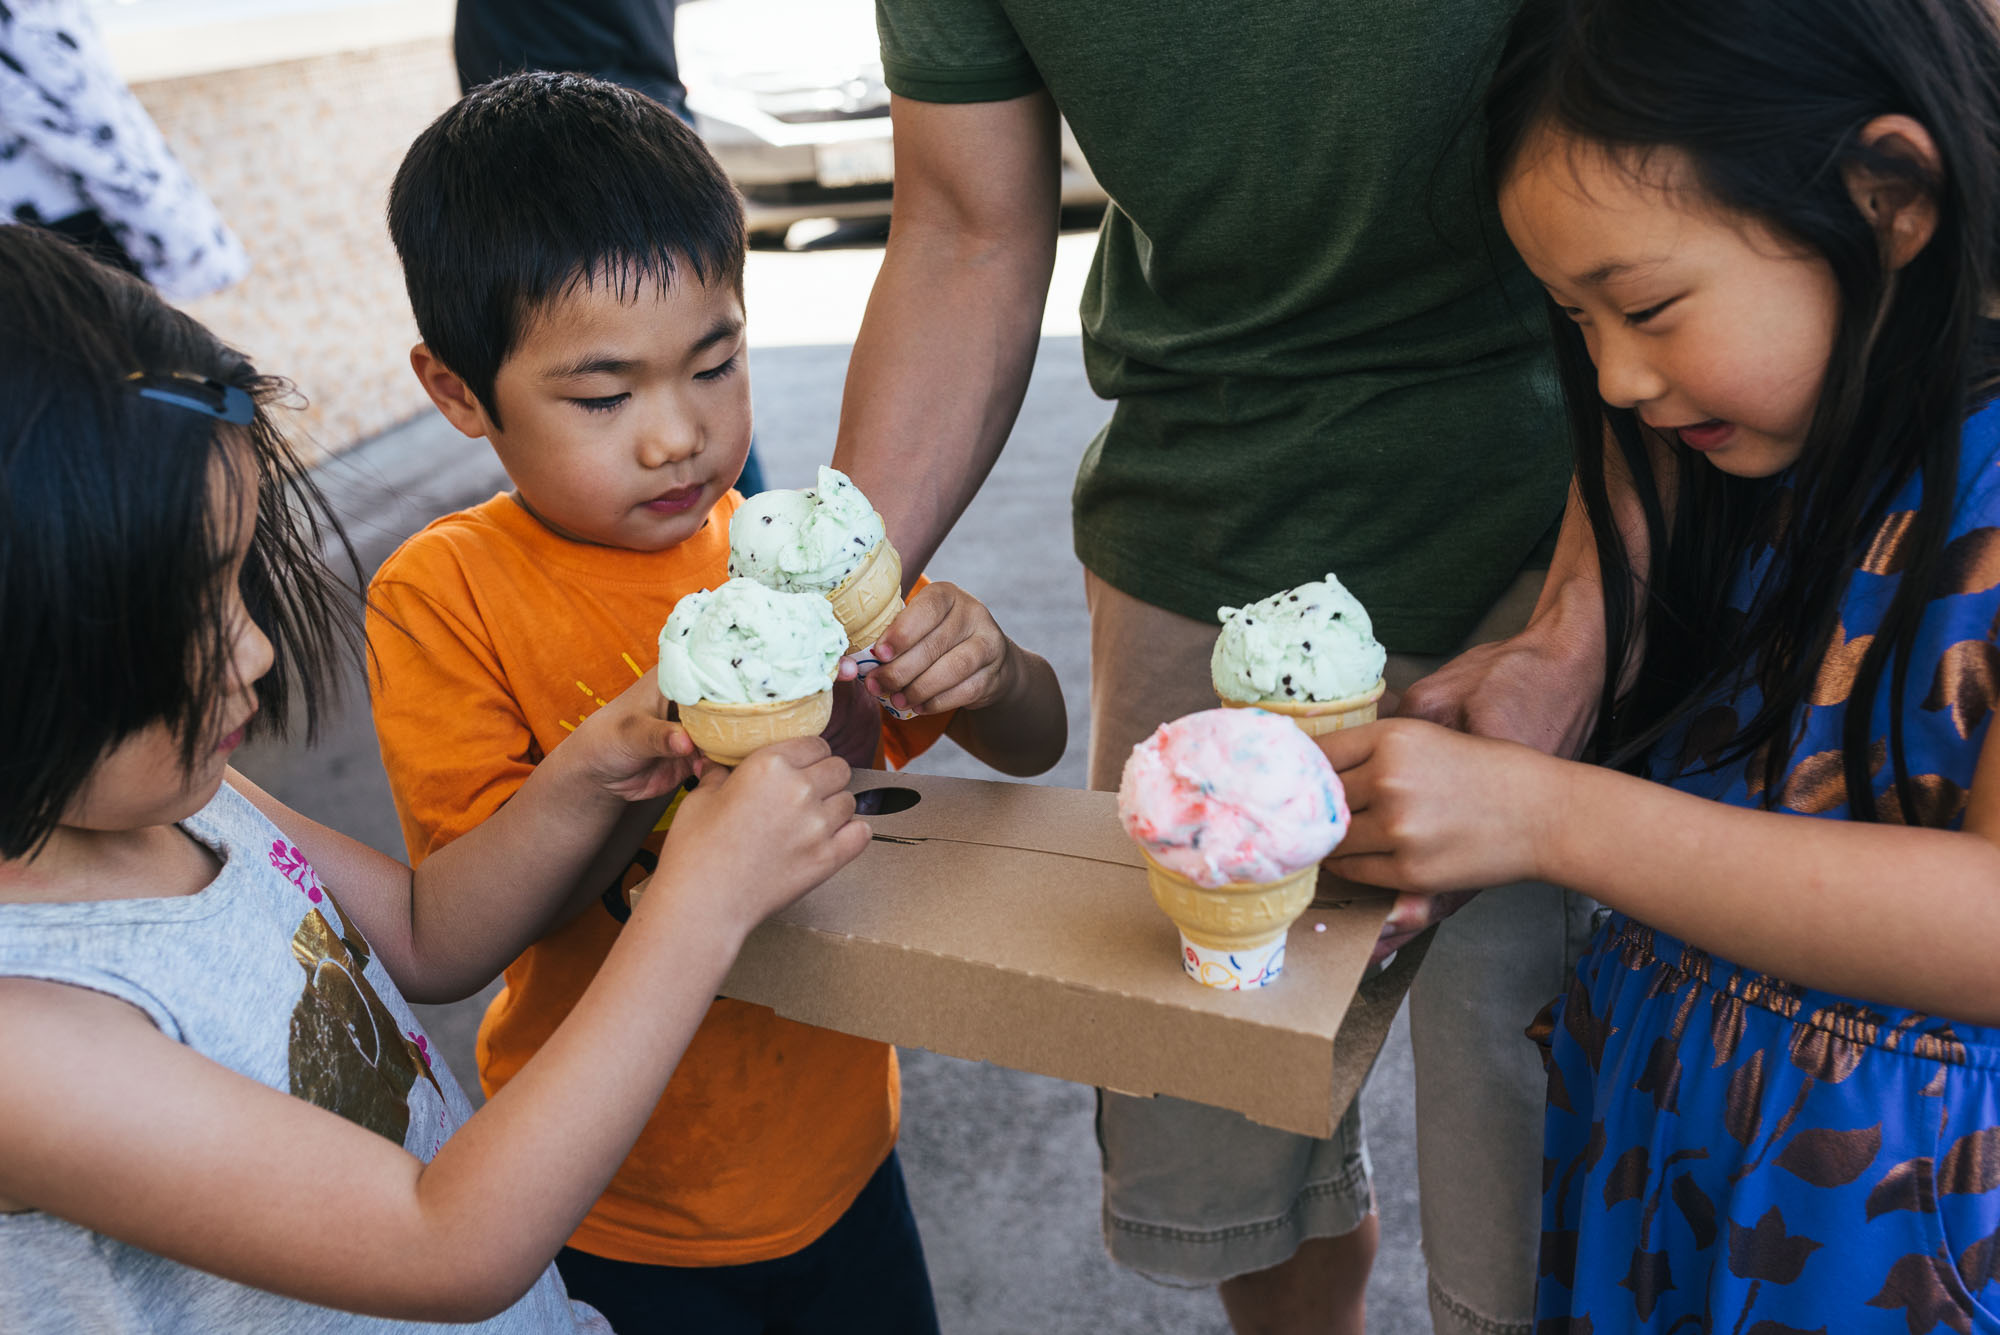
column 1011, row 923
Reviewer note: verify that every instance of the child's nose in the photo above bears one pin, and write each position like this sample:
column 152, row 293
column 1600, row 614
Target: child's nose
column 1626, row 378
column 254, row 654
column 668, row 440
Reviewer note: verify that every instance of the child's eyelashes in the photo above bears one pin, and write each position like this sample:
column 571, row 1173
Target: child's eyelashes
column 605, row 403
column 1577, row 315
column 1640, row 317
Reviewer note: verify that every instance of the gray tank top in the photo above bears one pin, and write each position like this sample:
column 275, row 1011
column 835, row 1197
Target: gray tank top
column 263, row 973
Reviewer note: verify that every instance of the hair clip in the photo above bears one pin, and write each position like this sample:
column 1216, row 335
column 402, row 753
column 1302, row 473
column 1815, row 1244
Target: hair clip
column 210, row 398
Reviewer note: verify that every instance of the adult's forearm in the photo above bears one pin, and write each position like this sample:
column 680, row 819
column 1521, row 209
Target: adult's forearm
column 1573, row 568
column 1568, row 619
column 938, row 373
column 1567, row 625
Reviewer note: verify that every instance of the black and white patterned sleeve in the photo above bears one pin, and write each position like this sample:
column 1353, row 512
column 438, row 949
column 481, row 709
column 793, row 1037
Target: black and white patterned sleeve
column 69, row 128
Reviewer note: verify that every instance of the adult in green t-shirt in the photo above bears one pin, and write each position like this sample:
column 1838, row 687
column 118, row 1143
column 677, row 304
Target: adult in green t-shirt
column 1323, row 357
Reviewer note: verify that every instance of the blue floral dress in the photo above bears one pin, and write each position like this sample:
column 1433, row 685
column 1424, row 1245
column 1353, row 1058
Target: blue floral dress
column 1730, row 1153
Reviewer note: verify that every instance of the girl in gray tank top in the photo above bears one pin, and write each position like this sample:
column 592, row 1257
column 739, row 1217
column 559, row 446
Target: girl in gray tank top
column 218, row 1112
column 303, row 1007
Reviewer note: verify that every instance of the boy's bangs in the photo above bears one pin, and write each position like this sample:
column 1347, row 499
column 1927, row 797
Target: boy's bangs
column 626, row 278
column 622, row 193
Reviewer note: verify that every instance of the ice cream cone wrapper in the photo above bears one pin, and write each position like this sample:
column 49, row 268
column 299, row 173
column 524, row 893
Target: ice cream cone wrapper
column 869, row 599
column 1234, row 970
column 1319, row 717
column 1232, row 936
column 727, row 733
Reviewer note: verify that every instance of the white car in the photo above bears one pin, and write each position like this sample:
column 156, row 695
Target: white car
column 788, row 95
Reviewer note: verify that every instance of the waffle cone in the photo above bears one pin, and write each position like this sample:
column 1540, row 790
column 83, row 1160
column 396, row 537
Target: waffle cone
column 1239, row 916
column 869, row 598
column 1319, row 717
column 726, row 733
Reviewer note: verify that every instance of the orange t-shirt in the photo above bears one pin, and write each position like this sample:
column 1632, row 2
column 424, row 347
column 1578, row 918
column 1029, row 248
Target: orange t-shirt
column 769, row 1129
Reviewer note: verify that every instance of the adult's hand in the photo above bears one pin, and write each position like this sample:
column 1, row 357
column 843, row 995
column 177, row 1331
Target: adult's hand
column 1539, row 688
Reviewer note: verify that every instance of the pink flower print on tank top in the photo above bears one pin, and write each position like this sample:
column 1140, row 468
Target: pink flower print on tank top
column 292, row 865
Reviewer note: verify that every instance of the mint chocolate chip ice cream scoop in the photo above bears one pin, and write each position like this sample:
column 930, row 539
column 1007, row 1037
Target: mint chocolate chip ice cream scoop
column 746, row 644
column 1311, row 644
column 808, row 541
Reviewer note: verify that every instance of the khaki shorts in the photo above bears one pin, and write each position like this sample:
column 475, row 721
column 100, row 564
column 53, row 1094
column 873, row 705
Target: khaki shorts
column 1195, row 1194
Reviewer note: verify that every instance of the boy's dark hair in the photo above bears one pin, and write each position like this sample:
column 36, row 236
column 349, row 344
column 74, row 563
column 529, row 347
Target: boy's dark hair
column 1767, row 99
column 536, row 183
column 111, row 544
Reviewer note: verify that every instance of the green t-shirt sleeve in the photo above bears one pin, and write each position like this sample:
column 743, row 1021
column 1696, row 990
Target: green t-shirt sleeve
column 952, row 51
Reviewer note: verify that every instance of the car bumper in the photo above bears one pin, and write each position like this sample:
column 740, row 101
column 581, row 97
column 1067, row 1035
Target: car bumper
column 841, row 169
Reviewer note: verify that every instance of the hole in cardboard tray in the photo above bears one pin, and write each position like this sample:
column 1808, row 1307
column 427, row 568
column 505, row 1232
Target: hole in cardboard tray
column 885, row 801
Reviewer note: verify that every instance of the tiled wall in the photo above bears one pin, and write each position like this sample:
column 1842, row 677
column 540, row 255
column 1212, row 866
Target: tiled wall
column 299, row 156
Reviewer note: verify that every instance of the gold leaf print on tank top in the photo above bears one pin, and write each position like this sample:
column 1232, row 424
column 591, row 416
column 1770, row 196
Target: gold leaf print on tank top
column 348, row 1055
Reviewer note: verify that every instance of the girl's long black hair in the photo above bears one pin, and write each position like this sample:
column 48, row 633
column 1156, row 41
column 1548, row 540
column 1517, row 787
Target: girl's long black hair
column 111, row 547
column 1767, row 99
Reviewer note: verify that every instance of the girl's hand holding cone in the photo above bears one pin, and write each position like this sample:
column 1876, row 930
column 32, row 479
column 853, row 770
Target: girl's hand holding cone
column 776, row 826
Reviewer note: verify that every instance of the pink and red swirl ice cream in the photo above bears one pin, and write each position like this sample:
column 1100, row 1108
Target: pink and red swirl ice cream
column 1229, row 796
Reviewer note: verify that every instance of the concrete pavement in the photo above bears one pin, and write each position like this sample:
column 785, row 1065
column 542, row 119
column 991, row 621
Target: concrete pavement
column 1002, row 1166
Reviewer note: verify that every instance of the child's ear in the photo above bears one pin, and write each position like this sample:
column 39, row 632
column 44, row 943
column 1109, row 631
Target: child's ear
column 453, row 397
column 1902, row 206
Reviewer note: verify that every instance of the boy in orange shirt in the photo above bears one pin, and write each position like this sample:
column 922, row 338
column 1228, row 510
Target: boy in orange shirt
column 575, row 260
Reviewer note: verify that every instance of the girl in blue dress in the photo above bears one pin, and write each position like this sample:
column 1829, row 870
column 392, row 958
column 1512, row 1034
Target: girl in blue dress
column 1770, row 234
